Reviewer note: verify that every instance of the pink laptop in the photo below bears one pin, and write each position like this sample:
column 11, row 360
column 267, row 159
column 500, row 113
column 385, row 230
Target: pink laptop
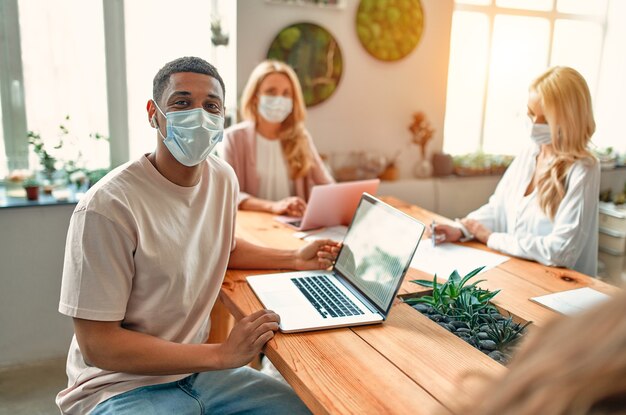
column 331, row 204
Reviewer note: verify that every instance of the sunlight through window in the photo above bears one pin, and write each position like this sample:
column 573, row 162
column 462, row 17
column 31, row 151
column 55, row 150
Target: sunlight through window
column 519, row 51
column 595, row 7
column 464, row 112
column 543, row 5
column 148, row 49
column 65, row 74
column 579, row 45
column 3, row 159
column 499, row 46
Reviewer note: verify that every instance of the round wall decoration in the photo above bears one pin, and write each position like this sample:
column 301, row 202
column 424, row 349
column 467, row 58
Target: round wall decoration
column 315, row 56
column 389, row 29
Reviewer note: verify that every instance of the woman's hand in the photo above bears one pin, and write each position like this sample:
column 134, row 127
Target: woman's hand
column 290, row 206
column 477, row 229
column 445, row 233
column 319, row 254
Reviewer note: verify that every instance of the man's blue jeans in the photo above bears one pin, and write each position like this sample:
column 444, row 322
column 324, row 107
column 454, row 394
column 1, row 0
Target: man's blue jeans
column 235, row 391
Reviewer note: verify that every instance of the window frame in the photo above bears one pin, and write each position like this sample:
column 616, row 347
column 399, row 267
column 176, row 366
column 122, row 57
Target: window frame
column 12, row 88
column 491, row 10
column 14, row 120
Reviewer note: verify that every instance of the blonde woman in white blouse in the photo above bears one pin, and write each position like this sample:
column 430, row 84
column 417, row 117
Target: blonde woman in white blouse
column 545, row 208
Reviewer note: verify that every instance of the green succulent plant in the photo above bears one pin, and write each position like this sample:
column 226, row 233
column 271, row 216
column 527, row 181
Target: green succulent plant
column 504, row 332
column 462, row 301
column 445, row 297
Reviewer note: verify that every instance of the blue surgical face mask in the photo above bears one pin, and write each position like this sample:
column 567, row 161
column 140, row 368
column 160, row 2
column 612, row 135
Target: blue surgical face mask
column 192, row 134
column 275, row 109
column 541, row 134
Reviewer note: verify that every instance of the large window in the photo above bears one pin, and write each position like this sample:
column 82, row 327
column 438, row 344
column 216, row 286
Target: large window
column 3, row 159
column 148, row 48
column 63, row 60
column 67, row 46
column 497, row 48
column 609, row 105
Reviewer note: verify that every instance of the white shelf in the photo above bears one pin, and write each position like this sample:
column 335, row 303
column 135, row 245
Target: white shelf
column 450, row 196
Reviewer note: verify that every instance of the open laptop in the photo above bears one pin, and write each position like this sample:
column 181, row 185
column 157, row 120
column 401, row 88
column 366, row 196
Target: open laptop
column 331, row 204
column 363, row 283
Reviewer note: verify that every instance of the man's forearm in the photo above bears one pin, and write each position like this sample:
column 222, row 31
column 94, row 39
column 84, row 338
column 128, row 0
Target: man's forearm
column 120, row 350
column 249, row 256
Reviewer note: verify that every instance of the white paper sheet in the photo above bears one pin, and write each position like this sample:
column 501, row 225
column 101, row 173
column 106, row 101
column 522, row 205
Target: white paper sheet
column 445, row 258
column 572, row 301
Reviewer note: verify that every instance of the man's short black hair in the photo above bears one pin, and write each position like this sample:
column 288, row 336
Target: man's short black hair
column 184, row 64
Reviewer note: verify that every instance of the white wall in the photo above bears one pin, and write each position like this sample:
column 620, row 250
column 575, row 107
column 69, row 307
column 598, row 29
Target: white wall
column 452, row 197
column 374, row 102
column 32, row 242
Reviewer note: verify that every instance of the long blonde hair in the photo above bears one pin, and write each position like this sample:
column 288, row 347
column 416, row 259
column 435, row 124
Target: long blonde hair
column 574, row 365
column 292, row 133
column 567, row 108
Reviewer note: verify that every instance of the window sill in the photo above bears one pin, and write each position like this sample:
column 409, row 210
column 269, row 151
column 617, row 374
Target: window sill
column 10, row 200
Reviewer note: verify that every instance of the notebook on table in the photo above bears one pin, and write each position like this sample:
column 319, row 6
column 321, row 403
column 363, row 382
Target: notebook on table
column 572, row 301
column 331, row 204
column 376, row 253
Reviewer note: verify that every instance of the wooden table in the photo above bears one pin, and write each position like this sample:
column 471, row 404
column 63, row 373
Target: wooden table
column 408, row 364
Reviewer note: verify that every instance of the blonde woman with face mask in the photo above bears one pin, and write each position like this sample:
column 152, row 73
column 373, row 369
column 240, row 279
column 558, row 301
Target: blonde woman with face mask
column 545, row 208
column 271, row 152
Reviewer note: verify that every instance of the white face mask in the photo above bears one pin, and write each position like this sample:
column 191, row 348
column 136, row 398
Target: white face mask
column 275, row 109
column 541, row 134
column 192, row 134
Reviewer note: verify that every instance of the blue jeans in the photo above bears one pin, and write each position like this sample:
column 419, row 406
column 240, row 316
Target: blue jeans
column 234, row 391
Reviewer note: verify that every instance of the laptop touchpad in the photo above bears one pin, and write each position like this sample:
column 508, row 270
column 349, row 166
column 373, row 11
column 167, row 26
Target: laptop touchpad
column 281, row 298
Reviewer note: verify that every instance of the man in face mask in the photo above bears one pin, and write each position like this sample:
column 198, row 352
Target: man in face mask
column 146, row 254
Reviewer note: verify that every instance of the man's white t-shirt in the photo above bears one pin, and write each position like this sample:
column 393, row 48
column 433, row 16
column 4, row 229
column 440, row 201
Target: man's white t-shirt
column 145, row 251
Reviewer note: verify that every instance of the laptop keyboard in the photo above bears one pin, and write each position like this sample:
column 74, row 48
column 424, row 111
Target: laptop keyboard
column 327, row 299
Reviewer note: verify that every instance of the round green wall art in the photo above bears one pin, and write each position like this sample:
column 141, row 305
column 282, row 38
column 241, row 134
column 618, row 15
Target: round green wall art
column 315, row 56
column 389, row 29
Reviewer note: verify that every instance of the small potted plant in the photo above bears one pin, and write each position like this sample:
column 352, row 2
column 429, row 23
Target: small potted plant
column 421, row 133
column 31, row 185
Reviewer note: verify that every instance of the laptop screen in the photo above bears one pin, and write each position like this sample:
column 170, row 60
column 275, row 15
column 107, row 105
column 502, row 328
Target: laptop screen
column 377, row 250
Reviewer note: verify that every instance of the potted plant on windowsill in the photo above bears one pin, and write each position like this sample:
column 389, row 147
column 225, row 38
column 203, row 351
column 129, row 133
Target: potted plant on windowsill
column 47, row 161
column 31, row 185
column 61, row 162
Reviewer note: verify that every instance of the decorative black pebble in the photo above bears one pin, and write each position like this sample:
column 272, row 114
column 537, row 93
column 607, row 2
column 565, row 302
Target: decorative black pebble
column 422, row 308
column 459, row 324
column 487, row 344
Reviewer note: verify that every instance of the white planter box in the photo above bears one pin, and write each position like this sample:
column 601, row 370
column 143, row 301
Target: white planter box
column 612, row 217
column 611, row 241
